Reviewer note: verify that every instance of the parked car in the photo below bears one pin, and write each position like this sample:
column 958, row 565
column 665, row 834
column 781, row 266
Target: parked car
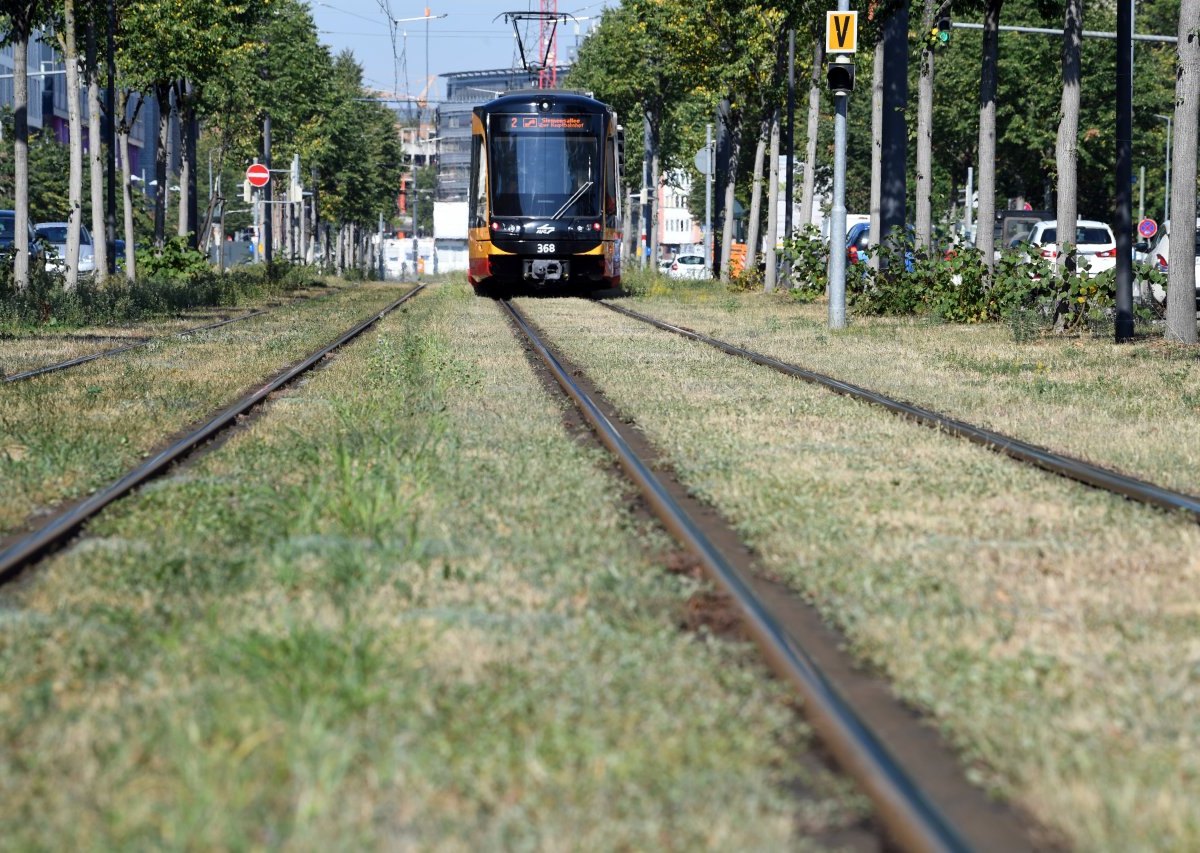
column 664, row 265
column 688, row 266
column 858, row 245
column 1094, row 243
column 1158, row 255
column 1013, row 226
column 55, row 233
column 8, row 231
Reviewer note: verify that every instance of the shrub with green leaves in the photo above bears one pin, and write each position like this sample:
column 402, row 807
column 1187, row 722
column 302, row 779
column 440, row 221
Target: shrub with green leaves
column 807, row 255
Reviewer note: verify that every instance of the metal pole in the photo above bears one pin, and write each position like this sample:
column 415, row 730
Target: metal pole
column 416, row 248
column 790, row 138
column 110, row 209
column 837, row 216
column 266, row 191
column 708, row 195
column 1124, row 194
column 1167, row 170
column 1141, row 193
column 644, row 251
column 970, row 217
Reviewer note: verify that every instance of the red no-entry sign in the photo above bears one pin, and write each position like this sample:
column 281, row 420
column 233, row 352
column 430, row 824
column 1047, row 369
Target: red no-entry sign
column 258, row 175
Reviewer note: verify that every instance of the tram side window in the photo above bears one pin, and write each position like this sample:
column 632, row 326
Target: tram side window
column 610, row 178
column 478, row 195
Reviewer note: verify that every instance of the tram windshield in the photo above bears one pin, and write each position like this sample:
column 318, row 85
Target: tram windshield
column 545, row 166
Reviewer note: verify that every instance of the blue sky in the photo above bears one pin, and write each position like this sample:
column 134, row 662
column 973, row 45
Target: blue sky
column 469, row 38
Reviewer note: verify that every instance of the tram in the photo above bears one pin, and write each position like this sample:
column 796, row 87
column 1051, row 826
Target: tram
column 543, row 206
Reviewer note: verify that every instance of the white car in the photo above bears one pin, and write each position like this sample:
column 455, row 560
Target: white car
column 55, row 233
column 1094, row 243
column 1159, row 256
column 688, row 266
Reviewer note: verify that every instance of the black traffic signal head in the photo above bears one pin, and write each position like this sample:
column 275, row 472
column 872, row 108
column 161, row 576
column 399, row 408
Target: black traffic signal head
column 840, row 74
column 941, row 30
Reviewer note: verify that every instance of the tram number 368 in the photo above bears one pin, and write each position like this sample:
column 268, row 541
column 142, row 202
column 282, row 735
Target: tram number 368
column 545, row 248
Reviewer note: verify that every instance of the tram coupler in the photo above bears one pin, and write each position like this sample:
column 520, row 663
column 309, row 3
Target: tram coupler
column 545, row 269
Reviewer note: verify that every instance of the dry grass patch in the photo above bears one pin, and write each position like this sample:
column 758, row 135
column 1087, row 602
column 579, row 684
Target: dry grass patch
column 1131, row 407
column 1039, row 622
column 440, row 629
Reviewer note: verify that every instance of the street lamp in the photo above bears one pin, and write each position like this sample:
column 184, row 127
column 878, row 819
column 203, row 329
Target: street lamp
column 1167, row 188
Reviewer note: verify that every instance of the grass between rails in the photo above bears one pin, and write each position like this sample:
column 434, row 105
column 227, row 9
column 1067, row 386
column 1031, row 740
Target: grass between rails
column 65, row 434
column 404, row 609
column 1132, row 407
column 1049, row 629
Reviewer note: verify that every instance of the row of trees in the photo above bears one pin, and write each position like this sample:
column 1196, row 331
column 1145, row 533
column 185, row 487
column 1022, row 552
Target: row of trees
column 221, row 69
column 1033, row 114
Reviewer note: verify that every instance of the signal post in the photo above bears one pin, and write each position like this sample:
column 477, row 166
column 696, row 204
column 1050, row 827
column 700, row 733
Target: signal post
column 841, row 40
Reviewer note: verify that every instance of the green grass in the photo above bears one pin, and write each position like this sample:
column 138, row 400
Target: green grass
column 1047, row 629
column 65, row 434
column 404, row 609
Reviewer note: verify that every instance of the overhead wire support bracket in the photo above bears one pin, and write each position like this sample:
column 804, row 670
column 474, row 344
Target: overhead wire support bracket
column 553, row 18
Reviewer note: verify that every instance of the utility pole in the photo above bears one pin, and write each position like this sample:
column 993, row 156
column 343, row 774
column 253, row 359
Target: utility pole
column 110, row 102
column 708, row 194
column 266, row 194
column 841, row 39
column 790, row 148
column 1124, row 194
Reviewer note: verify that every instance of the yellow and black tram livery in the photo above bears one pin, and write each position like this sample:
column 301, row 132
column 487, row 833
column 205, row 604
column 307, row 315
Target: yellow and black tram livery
column 543, row 204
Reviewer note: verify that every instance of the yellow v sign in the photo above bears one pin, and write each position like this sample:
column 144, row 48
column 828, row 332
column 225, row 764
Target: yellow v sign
column 841, row 32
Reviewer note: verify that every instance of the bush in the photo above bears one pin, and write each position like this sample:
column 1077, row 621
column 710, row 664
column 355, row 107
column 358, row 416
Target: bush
column 807, row 255
column 162, row 292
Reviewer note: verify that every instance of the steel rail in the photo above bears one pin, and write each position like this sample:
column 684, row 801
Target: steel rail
column 910, row 817
column 84, row 359
column 26, row 550
column 1041, row 457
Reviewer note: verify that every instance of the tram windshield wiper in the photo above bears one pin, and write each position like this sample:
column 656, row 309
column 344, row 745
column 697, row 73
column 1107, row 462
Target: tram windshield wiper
column 574, row 198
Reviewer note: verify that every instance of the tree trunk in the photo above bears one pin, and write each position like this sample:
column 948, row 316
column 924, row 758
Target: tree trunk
column 124, row 126
column 1066, row 149
column 875, row 236
column 808, row 184
column 186, row 161
column 985, row 239
column 96, row 162
column 924, row 189
column 162, row 94
column 1181, row 274
column 756, row 181
column 21, row 161
column 772, row 206
column 730, row 223
column 75, row 129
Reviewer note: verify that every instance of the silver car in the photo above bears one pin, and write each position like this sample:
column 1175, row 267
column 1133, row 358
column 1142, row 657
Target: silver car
column 55, row 233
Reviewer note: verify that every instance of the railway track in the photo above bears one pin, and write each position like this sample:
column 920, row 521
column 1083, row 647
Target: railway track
column 23, row 551
column 67, row 364
column 921, row 797
column 1040, row 457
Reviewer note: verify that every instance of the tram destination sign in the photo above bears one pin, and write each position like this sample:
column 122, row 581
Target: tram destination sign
column 526, row 123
